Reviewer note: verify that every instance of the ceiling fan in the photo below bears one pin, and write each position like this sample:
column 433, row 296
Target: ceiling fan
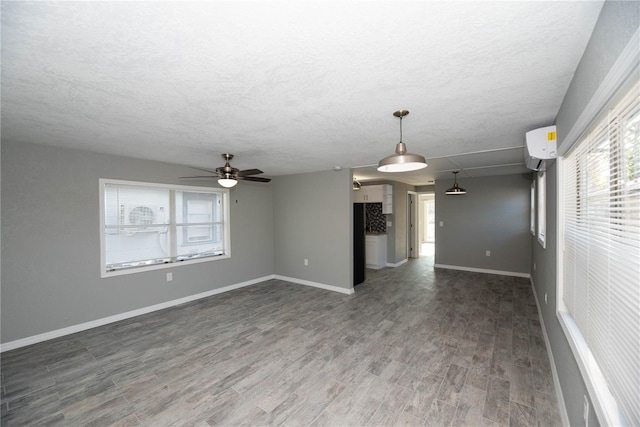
column 229, row 176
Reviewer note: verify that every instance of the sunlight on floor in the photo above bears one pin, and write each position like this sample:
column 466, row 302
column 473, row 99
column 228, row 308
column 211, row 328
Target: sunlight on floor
column 427, row 249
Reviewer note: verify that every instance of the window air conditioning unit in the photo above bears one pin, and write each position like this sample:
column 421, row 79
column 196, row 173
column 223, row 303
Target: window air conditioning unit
column 541, row 145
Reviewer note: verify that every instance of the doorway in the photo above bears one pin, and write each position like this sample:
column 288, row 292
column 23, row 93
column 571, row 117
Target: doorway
column 427, row 224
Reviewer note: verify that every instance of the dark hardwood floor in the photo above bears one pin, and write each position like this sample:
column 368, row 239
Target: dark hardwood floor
column 412, row 346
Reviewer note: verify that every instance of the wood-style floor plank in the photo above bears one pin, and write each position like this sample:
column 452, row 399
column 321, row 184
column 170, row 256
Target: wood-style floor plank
column 412, row 346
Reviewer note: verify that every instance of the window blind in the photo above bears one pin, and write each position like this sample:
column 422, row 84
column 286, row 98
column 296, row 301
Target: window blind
column 601, row 249
column 542, row 208
column 532, row 214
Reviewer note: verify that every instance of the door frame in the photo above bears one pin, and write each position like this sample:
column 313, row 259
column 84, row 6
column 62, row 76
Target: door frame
column 413, row 225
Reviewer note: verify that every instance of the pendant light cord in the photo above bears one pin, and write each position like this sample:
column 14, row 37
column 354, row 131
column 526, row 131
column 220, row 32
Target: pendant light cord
column 400, row 128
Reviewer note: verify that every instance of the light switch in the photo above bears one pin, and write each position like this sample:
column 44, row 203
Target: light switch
column 389, row 224
column 441, row 223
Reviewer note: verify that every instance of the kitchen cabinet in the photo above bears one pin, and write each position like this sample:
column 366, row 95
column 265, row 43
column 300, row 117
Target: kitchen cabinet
column 369, row 194
column 376, row 251
column 387, row 199
column 376, row 194
column 359, row 196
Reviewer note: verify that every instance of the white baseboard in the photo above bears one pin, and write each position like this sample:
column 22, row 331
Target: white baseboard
column 315, row 284
column 556, row 380
column 484, row 270
column 11, row 345
column 397, row 264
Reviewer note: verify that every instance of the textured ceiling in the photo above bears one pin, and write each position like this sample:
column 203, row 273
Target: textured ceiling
column 291, row 87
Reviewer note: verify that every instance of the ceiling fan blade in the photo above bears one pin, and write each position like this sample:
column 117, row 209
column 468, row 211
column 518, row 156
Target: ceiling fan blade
column 205, row 170
column 249, row 172
column 229, row 172
column 253, row 178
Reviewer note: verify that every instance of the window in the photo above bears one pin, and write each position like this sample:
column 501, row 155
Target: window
column 599, row 268
column 542, row 208
column 532, row 223
column 148, row 226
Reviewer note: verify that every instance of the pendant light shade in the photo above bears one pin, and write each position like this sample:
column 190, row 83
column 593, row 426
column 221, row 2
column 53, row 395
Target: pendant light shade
column 456, row 189
column 356, row 184
column 401, row 161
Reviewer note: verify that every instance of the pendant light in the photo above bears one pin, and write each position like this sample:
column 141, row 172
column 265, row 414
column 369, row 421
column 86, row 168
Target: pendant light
column 456, row 189
column 356, row 184
column 401, row 161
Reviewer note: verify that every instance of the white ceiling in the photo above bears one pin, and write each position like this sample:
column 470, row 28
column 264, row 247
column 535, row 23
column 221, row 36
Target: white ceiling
column 292, row 87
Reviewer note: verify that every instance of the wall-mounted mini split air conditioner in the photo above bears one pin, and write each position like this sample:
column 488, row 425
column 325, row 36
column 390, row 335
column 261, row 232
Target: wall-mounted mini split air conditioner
column 541, row 144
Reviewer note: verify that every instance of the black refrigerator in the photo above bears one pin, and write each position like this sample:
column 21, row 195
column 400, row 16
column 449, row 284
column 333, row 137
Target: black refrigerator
column 358, row 243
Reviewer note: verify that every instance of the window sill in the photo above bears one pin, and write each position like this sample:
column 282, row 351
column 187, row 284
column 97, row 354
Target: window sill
column 603, row 402
column 122, row 272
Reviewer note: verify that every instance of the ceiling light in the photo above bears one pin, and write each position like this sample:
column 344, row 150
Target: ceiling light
column 227, row 181
column 456, row 189
column 402, row 161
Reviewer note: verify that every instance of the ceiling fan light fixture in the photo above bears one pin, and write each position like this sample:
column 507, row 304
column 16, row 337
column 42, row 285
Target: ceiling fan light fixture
column 401, row 160
column 227, row 181
column 228, row 176
column 456, row 189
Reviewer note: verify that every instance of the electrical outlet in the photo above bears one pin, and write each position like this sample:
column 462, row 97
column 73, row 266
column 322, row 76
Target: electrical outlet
column 488, row 253
column 306, row 261
column 169, row 277
column 585, row 413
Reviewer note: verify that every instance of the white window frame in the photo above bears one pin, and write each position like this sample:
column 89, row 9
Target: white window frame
column 541, row 179
column 224, row 193
column 604, row 403
column 532, row 224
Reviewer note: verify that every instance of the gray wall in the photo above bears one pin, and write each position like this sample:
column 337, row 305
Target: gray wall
column 616, row 25
column 313, row 219
column 51, row 247
column 425, row 188
column 493, row 215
